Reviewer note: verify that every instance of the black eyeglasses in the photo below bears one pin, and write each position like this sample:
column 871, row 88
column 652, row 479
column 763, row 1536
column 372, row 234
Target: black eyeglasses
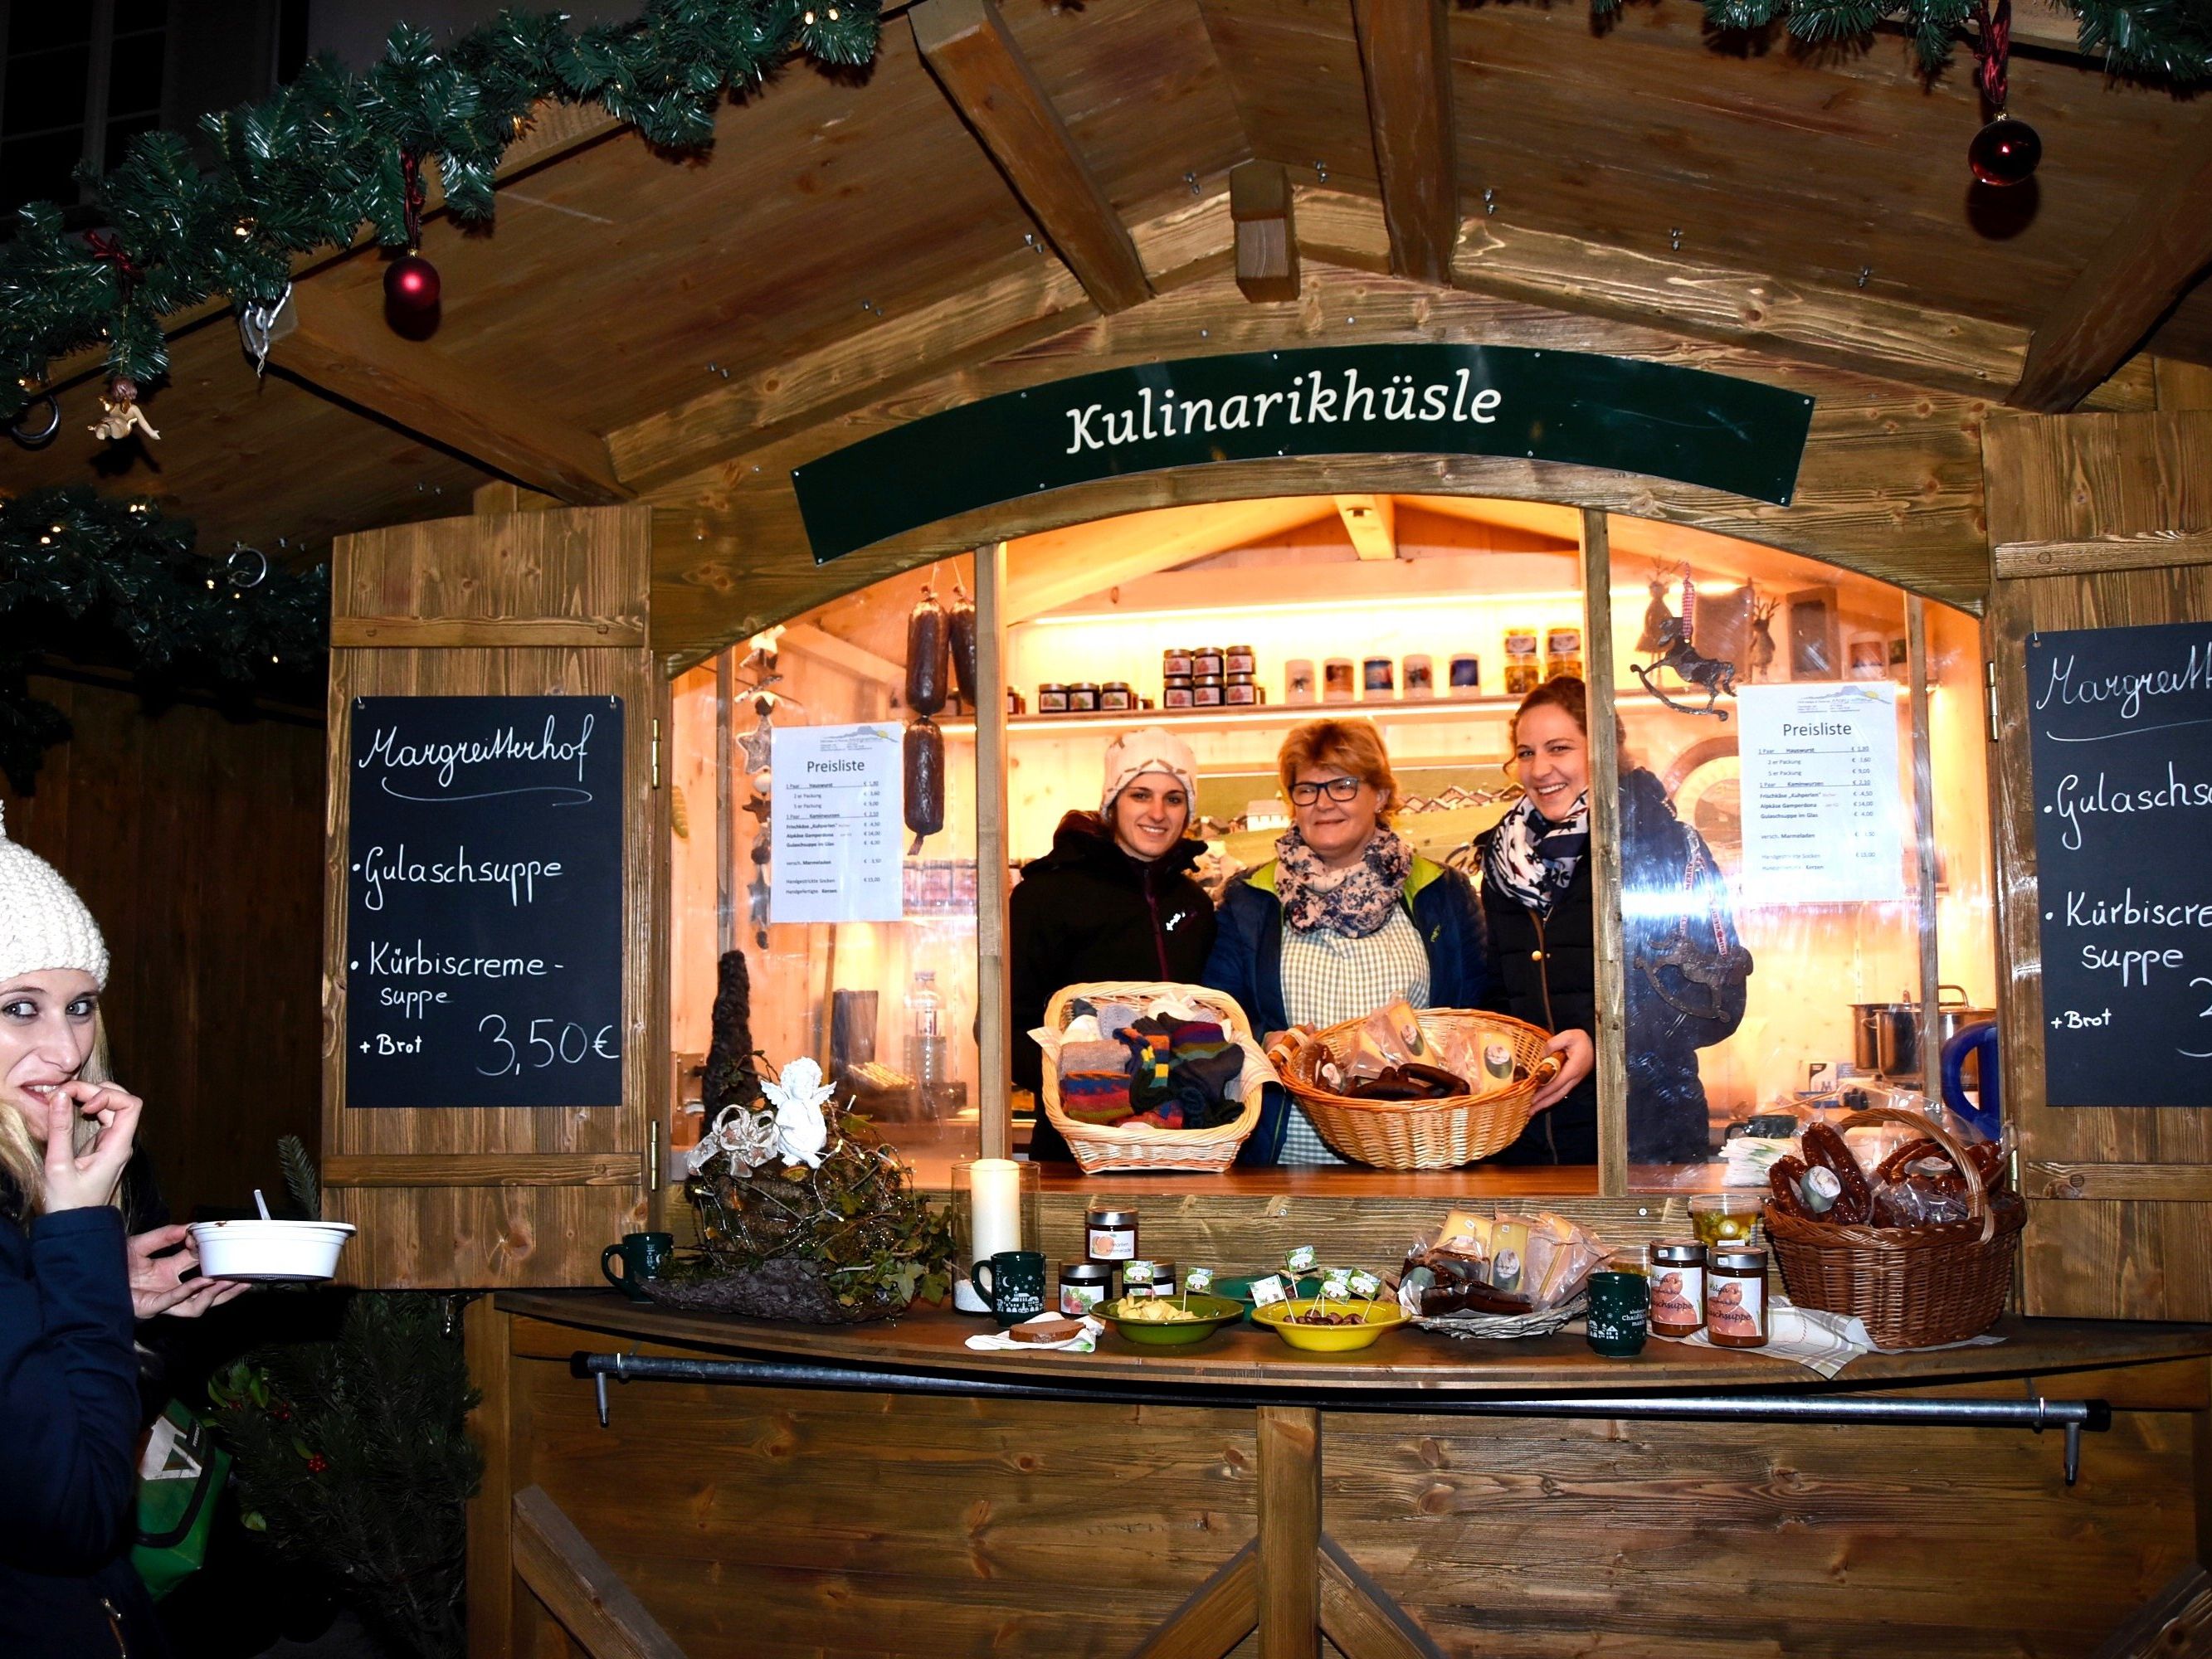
column 1305, row 795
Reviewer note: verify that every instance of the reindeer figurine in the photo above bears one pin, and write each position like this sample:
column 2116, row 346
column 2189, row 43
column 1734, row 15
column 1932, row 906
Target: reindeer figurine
column 1761, row 655
column 1670, row 637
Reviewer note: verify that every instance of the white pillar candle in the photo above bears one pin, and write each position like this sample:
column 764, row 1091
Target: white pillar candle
column 995, row 1186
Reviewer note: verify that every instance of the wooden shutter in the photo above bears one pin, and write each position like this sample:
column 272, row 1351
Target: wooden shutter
column 2097, row 521
column 550, row 603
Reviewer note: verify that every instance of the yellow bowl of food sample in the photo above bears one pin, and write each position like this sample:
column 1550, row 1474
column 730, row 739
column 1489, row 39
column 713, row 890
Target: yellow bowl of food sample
column 1329, row 1327
column 1169, row 1321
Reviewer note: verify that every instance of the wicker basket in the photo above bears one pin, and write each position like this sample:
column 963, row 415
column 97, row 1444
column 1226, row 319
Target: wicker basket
column 1423, row 1134
column 1103, row 1148
column 1505, row 1327
column 1916, row 1287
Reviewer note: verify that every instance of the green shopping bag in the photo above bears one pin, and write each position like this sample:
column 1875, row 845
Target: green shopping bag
column 181, row 1473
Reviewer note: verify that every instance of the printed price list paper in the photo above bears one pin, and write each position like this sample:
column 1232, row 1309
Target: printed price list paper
column 835, row 821
column 2120, row 747
column 484, row 902
column 1823, row 814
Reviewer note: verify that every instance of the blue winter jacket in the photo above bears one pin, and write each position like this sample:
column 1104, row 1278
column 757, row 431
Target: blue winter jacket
column 69, row 1429
column 1247, row 963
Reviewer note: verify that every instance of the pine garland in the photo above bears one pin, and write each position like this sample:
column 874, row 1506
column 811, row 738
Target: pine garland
column 99, row 576
column 305, row 170
column 329, row 152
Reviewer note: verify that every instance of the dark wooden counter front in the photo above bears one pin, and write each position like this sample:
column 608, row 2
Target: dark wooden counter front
column 710, row 1519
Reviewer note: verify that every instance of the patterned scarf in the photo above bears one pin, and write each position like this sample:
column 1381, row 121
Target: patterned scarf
column 1354, row 901
column 1533, row 859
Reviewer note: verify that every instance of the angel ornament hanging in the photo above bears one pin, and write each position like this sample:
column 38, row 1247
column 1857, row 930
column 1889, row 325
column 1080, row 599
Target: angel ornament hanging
column 120, row 414
column 1669, row 639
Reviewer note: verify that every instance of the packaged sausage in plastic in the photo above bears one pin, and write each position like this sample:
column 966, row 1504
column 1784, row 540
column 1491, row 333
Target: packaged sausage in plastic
column 960, row 621
column 926, row 636
column 924, row 778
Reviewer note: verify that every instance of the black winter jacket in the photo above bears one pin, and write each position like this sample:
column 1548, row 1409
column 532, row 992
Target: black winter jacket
column 70, row 1417
column 1685, row 988
column 1085, row 911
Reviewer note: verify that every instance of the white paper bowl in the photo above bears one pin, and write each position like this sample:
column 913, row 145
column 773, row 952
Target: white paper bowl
column 271, row 1250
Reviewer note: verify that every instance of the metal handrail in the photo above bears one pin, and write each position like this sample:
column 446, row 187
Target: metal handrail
column 2033, row 1414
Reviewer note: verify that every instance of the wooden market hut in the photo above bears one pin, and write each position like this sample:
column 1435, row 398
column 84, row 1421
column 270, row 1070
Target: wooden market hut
column 583, row 483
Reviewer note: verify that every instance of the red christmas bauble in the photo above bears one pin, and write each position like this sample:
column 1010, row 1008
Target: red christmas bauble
column 2004, row 152
column 410, row 283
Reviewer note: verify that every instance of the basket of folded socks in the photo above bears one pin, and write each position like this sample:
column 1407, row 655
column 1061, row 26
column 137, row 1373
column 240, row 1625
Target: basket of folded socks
column 1148, row 1075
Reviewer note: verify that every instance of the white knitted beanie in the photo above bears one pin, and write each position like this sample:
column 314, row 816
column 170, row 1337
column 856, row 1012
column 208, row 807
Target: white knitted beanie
column 43, row 923
column 1151, row 749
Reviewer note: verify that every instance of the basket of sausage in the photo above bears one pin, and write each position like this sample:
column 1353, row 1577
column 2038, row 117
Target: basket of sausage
column 1426, row 1090
column 1920, row 1249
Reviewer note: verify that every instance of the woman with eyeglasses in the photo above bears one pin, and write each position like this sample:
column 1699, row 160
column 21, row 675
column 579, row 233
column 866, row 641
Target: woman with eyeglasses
column 1345, row 919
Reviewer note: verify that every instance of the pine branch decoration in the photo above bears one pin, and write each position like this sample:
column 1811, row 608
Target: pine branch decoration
column 306, row 1192
column 306, row 168
column 106, row 577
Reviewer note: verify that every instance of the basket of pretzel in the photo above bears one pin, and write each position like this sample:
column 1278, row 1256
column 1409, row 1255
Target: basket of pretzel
column 1920, row 1249
column 1426, row 1090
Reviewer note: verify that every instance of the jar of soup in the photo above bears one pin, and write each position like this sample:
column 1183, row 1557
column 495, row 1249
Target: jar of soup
column 1678, row 1287
column 1115, row 696
column 1735, row 1299
column 1111, row 1235
column 1379, row 675
column 1176, row 659
column 1336, row 680
column 1164, row 1279
column 1205, row 660
column 1237, row 690
column 1083, row 697
column 1237, row 659
column 1083, row 1287
column 1174, row 691
column 1052, row 699
column 1206, row 692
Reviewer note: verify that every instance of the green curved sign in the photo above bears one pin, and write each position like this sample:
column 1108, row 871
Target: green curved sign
column 1619, row 413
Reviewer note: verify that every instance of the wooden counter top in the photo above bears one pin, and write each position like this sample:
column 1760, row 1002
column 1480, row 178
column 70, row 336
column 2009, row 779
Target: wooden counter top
column 1406, row 1359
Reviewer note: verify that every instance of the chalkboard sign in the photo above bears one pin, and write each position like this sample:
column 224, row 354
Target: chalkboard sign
column 2120, row 727
column 484, row 903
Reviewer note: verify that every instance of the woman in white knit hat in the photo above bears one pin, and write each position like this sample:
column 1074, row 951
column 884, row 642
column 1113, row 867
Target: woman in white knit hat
column 70, row 1282
column 1114, row 899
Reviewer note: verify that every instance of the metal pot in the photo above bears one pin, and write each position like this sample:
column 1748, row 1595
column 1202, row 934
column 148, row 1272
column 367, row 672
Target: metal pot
column 1886, row 1035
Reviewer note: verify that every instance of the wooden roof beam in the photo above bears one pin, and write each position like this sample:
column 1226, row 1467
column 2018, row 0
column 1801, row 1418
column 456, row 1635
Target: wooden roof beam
column 2154, row 257
column 1405, row 52
column 333, row 343
column 991, row 84
column 1371, row 522
column 1266, row 236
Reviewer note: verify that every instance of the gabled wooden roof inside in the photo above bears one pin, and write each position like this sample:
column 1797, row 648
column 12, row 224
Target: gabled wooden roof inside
column 624, row 303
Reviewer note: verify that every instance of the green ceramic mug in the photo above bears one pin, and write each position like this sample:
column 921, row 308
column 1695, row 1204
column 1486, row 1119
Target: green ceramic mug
column 643, row 1255
column 1619, row 1317
column 1012, row 1282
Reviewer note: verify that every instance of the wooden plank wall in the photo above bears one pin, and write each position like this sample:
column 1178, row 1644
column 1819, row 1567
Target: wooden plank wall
column 505, row 1197
column 1891, row 485
column 195, row 837
column 764, row 1524
column 2119, row 1198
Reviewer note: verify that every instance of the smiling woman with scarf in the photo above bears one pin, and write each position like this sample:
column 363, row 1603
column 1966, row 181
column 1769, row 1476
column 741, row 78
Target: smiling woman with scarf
column 1687, row 968
column 1345, row 919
